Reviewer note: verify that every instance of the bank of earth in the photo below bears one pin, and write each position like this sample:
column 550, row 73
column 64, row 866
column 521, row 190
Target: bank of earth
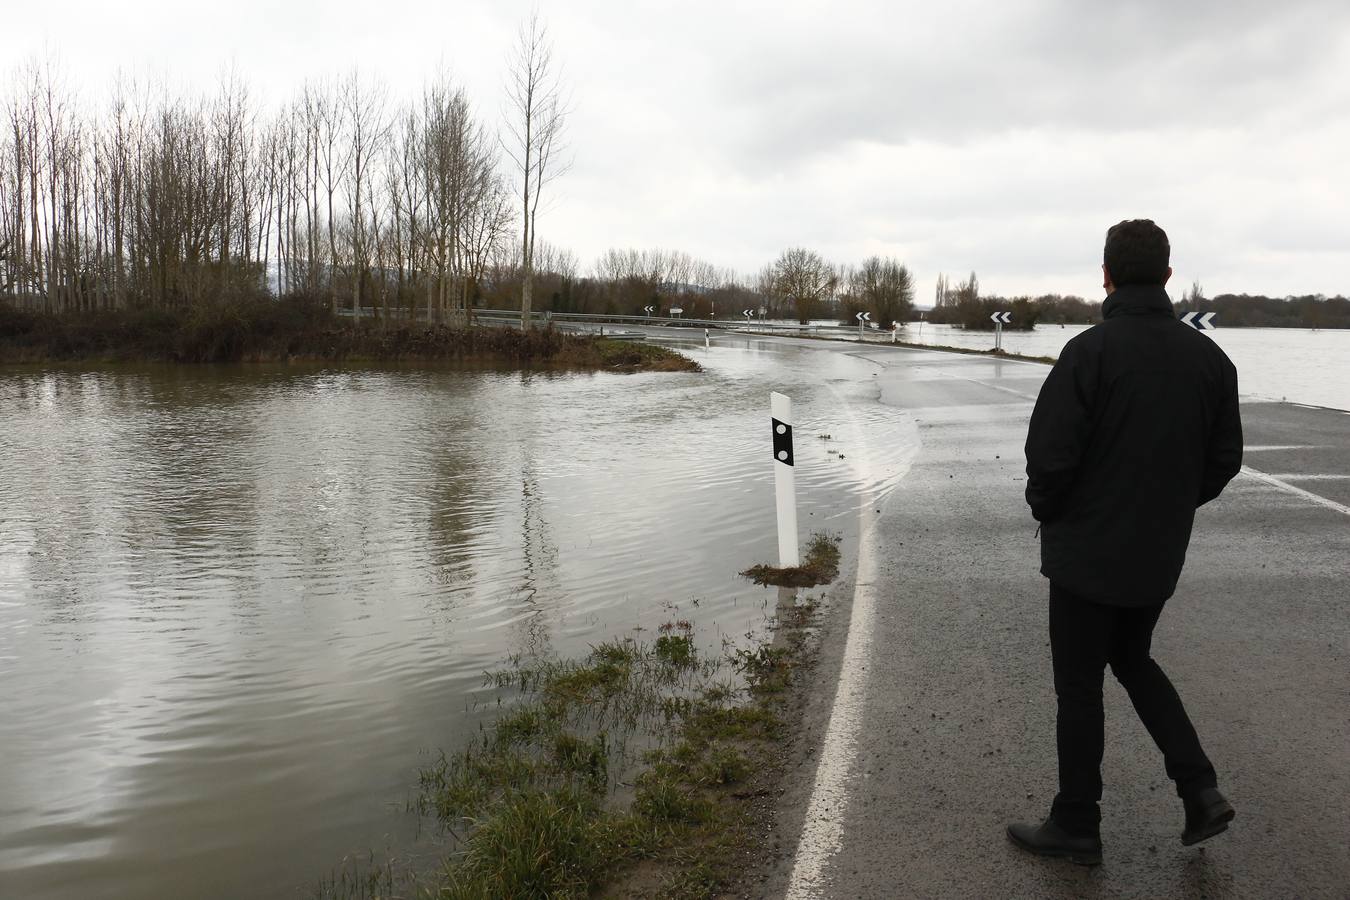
column 283, row 331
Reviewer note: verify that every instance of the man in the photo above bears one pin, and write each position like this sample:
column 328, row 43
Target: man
column 1136, row 426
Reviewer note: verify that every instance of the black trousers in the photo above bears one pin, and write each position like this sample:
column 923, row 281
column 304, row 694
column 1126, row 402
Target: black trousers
column 1085, row 637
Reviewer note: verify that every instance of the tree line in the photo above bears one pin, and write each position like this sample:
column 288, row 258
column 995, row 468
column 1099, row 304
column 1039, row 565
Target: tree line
column 1257, row 310
column 962, row 303
column 163, row 201
column 799, row 284
column 415, row 209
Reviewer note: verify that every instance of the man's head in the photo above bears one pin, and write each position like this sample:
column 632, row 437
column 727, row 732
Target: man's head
column 1136, row 252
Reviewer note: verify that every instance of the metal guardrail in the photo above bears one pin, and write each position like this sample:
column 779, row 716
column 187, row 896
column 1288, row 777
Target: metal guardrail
column 728, row 324
column 509, row 316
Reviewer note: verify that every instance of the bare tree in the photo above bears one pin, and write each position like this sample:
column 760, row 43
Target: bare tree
column 362, row 105
column 167, row 200
column 968, row 291
column 331, row 161
column 444, row 171
column 486, row 231
column 6, row 275
column 884, row 287
column 1194, row 298
column 534, row 124
column 942, row 294
column 803, row 278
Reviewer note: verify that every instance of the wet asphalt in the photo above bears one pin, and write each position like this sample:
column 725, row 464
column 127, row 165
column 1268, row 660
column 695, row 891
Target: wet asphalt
column 957, row 720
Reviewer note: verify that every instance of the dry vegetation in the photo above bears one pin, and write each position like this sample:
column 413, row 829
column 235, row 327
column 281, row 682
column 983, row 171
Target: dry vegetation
column 821, row 566
column 269, row 331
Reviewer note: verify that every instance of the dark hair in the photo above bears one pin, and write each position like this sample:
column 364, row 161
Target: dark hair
column 1137, row 252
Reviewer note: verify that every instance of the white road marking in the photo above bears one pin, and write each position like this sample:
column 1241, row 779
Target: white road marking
column 1257, row 448
column 1296, row 491
column 823, row 830
column 993, row 387
column 1300, row 476
column 950, row 355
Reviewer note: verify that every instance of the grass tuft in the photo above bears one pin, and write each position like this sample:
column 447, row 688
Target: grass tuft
column 535, row 844
column 821, row 566
column 549, row 801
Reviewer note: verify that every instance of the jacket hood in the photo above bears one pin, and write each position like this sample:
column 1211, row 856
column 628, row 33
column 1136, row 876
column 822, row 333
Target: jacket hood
column 1137, row 299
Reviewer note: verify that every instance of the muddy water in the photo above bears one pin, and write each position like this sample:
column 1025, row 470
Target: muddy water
column 1296, row 364
column 239, row 607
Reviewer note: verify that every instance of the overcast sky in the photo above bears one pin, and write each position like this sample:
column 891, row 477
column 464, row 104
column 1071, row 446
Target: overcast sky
column 997, row 136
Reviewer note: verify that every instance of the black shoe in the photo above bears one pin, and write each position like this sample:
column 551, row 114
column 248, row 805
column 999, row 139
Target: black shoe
column 1207, row 814
column 1049, row 839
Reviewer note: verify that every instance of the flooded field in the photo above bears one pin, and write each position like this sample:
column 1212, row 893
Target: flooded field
column 1295, row 364
column 239, row 607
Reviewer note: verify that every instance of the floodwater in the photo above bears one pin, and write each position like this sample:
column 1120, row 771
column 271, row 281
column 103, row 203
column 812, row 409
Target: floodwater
column 1296, row 364
column 240, row 606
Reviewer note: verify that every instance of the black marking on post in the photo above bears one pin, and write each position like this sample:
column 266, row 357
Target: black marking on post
column 782, row 442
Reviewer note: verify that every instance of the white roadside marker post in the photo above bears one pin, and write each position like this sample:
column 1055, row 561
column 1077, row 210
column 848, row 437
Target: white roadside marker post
column 784, row 480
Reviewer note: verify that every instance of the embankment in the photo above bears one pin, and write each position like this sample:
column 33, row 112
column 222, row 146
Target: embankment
column 278, row 331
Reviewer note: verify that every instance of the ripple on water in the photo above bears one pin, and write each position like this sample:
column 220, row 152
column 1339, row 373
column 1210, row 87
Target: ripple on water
column 238, row 606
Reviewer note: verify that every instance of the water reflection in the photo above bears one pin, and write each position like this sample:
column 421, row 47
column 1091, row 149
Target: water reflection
column 238, row 605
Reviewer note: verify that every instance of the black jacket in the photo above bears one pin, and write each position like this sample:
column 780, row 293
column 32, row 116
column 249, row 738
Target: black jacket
column 1136, row 426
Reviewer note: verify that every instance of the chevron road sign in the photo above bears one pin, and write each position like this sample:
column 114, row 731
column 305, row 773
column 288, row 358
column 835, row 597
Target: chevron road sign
column 1199, row 321
column 863, row 318
column 649, row 309
column 1000, row 319
column 747, row 313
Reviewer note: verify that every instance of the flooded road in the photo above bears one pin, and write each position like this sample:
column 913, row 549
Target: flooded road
column 240, row 606
column 1300, row 365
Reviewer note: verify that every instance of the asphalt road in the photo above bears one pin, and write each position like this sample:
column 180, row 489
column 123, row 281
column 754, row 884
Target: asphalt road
column 931, row 724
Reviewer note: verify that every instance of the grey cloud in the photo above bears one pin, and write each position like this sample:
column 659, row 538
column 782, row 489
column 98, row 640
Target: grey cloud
column 1101, row 67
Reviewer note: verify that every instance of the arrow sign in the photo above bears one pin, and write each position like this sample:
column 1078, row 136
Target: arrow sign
column 1000, row 319
column 863, row 317
column 649, row 309
column 1199, row 321
column 747, row 313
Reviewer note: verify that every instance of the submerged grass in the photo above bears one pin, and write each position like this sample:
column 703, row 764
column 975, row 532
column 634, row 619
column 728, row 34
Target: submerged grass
column 629, row 772
column 821, row 566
